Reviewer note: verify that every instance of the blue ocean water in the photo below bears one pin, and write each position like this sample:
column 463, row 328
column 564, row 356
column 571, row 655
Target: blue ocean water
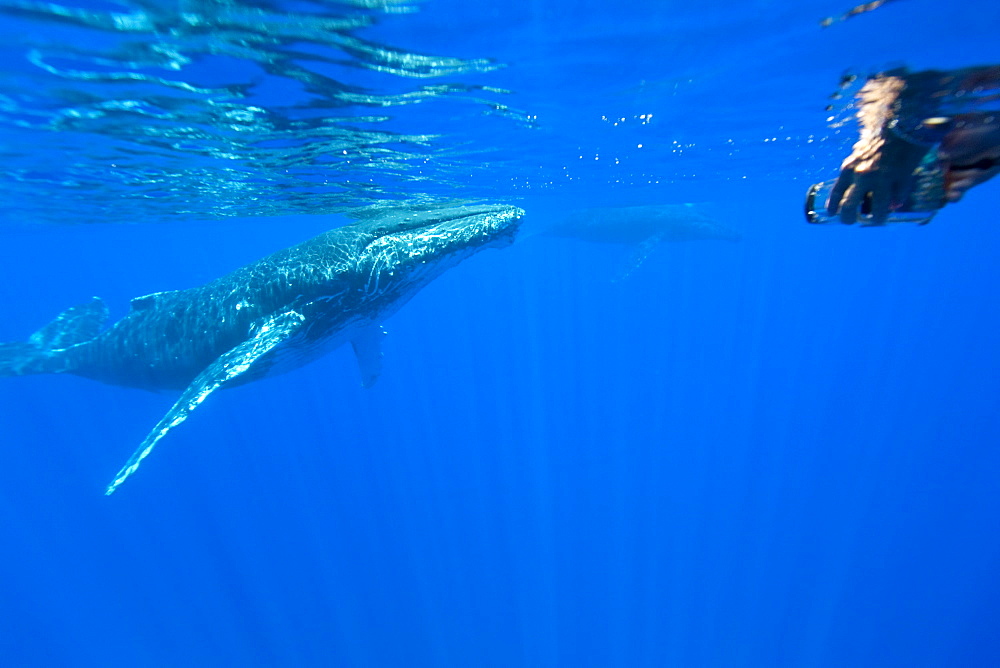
column 775, row 452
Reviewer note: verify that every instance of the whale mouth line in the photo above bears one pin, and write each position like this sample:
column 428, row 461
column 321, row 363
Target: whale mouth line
column 502, row 213
column 496, row 219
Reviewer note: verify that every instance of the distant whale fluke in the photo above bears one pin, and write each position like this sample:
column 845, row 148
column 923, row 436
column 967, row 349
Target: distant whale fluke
column 267, row 317
column 44, row 351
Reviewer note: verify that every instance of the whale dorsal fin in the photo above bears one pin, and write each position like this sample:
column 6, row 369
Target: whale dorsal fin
column 268, row 334
column 150, row 300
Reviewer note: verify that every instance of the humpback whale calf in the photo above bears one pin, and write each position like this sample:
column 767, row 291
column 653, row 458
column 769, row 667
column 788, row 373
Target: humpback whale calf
column 644, row 227
column 268, row 317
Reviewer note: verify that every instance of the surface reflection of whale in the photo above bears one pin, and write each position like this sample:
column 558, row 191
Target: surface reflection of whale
column 644, row 227
column 270, row 316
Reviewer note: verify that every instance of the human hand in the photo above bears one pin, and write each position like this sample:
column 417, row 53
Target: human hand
column 876, row 178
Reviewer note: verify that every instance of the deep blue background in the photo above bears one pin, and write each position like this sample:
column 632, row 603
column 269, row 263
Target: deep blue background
column 776, row 452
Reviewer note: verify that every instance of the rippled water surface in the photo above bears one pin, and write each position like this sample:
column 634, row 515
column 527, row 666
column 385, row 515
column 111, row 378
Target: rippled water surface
column 136, row 112
column 139, row 111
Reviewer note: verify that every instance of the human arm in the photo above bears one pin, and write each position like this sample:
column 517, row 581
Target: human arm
column 877, row 176
column 907, row 117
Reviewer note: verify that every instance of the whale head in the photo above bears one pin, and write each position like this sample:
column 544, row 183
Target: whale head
column 404, row 250
column 444, row 231
column 423, row 244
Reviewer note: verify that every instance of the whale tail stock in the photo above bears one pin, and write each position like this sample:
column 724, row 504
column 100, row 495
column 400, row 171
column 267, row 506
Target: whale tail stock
column 44, row 350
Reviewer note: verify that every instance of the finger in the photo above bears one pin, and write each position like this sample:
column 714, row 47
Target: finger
column 960, row 178
column 958, row 182
column 849, row 204
column 844, row 182
column 954, row 194
column 900, row 193
column 881, row 199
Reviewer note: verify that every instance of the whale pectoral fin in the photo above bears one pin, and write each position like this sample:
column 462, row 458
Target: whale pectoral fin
column 639, row 256
column 230, row 365
column 368, row 351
